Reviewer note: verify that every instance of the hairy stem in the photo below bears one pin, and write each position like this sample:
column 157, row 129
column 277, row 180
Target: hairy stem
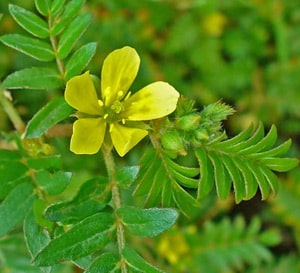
column 11, row 112
column 116, row 200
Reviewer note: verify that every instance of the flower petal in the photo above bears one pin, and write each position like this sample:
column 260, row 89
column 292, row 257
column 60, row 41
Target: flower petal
column 154, row 101
column 118, row 72
column 88, row 135
column 81, row 94
column 125, row 138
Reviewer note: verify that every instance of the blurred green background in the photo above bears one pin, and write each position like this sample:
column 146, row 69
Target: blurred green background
column 244, row 52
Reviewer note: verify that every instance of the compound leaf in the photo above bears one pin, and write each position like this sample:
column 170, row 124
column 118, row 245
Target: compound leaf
column 72, row 34
column 106, row 263
column 32, row 47
column 147, row 222
column 15, row 207
column 52, row 113
column 136, row 262
column 29, row 21
column 43, row 6
column 82, row 239
column 40, row 78
column 79, row 60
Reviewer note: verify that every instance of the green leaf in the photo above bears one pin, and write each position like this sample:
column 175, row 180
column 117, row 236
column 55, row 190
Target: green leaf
column 11, row 170
column 52, row 113
column 9, row 155
column 80, row 60
column 32, row 47
column 206, row 181
column 93, row 196
column 127, row 175
column 185, row 202
column 57, row 5
column 53, row 184
column 34, row 78
column 45, row 162
column 222, row 179
column 82, row 239
column 147, row 222
column 12, row 173
column 35, row 237
column 72, row 34
column 106, row 263
column 15, row 207
column 29, row 21
column 280, row 164
column 136, row 262
column 43, row 6
column 70, row 11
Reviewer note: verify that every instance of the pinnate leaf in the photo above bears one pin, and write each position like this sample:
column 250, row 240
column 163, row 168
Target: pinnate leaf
column 82, row 239
column 43, row 6
column 147, row 222
column 79, row 60
column 53, row 184
column 106, row 263
column 57, row 5
column 29, row 21
column 127, row 175
column 72, row 34
column 15, row 207
column 136, row 262
column 34, row 78
column 92, row 197
column 32, row 47
column 70, row 11
column 52, row 113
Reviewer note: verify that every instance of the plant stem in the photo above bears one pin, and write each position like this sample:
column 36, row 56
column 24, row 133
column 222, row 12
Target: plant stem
column 53, row 42
column 116, row 200
column 11, row 112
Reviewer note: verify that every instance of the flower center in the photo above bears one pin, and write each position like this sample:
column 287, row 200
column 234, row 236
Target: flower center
column 111, row 112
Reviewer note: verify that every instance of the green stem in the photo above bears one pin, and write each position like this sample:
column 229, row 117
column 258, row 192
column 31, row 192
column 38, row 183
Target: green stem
column 116, row 201
column 59, row 62
column 11, row 112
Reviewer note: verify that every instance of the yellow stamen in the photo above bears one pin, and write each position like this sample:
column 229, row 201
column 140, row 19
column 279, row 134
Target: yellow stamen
column 100, row 103
column 128, row 95
column 120, row 93
column 105, row 116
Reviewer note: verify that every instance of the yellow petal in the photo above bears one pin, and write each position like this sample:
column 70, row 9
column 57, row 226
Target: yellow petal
column 88, row 135
column 118, row 72
column 125, row 138
column 81, row 94
column 154, row 101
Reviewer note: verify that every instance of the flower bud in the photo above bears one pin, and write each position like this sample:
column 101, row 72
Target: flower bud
column 188, row 122
column 201, row 134
column 171, row 141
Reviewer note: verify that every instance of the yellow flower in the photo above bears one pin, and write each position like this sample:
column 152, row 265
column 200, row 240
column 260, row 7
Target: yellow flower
column 114, row 108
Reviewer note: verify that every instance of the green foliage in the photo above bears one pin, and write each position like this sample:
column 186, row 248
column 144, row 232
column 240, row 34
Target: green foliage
column 168, row 205
column 52, row 113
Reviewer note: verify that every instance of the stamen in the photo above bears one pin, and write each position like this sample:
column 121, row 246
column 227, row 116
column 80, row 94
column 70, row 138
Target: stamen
column 111, row 127
column 100, row 103
column 123, row 120
column 128, row 95
column 120, row 93
column 105, row 116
